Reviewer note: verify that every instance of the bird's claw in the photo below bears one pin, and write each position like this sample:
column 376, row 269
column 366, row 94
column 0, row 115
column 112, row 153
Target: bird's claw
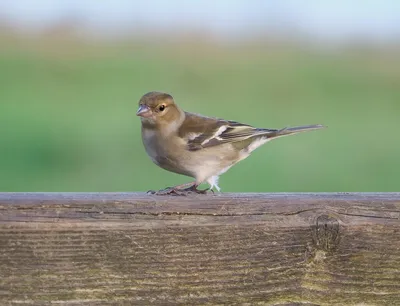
column 178, row 192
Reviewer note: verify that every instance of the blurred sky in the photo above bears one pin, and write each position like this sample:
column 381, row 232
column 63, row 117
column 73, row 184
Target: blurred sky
column 339, row 20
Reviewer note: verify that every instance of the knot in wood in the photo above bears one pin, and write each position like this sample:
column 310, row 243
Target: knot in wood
column 326, row 233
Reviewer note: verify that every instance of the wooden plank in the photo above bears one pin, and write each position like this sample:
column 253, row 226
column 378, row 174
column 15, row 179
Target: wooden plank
column 133, row 248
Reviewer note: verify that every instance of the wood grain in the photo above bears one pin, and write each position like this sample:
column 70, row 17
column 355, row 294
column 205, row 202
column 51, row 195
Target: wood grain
column 249, row 249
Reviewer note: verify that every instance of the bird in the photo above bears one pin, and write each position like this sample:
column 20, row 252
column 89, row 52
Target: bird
column 197, row 146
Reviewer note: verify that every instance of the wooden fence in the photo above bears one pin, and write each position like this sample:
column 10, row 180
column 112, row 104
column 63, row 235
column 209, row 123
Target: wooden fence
column 248, row 249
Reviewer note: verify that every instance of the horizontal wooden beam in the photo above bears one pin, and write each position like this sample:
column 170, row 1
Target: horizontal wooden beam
column 134, row 248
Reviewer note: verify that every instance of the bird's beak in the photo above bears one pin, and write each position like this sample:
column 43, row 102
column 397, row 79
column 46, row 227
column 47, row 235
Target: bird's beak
column 144, row 111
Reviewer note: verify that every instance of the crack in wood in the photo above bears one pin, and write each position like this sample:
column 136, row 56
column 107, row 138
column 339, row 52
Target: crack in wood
column 58, row 214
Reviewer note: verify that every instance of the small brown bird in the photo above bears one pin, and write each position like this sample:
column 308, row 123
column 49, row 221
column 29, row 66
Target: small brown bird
column 198, row 146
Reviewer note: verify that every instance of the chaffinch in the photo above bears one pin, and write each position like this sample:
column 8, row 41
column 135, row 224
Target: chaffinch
column 198, row 146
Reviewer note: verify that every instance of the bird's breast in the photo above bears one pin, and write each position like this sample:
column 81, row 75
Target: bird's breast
column 152, row 145
column 168, row 153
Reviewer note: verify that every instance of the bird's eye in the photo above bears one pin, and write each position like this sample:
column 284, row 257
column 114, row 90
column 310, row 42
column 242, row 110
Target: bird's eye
column 161, row 107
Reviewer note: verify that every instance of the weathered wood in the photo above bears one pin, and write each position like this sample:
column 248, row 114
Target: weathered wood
column 266, row 249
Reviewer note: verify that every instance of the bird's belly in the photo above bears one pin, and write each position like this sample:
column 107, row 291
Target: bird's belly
column 201, row 164
column 208, row 168
column 211, row 162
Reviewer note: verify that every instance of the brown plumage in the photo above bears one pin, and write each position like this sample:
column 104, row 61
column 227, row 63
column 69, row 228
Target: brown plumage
column 197, row 146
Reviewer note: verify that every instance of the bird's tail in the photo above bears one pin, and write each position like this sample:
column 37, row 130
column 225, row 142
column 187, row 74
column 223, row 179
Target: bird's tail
column 294, row 130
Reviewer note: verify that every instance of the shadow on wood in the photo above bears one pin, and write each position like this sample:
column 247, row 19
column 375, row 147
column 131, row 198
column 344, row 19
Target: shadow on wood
column 110, row 248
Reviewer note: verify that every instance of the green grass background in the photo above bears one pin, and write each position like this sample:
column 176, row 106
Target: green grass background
column 67, row 114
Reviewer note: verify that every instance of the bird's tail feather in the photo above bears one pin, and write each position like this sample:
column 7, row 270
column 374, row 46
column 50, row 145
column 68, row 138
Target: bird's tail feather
column 294, row 130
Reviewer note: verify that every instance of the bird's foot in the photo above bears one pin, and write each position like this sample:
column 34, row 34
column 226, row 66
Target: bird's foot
column 167, row 191
column 193, row 189
column 178, row 191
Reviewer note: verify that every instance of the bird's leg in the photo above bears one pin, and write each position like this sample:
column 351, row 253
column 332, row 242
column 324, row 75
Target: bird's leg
column 194, row 189
column 176, row 190
column 184, row 186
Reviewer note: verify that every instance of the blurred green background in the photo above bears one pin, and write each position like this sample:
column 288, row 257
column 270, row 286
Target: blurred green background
column 67, row 112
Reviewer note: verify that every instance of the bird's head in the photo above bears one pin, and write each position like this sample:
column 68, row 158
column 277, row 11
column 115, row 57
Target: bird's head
column 157, row 108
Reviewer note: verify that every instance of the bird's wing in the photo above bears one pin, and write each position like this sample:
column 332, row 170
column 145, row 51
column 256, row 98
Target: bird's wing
column 203, row 132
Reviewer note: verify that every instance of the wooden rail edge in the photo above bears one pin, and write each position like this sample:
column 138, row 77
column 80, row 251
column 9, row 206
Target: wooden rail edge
column 134, row 248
